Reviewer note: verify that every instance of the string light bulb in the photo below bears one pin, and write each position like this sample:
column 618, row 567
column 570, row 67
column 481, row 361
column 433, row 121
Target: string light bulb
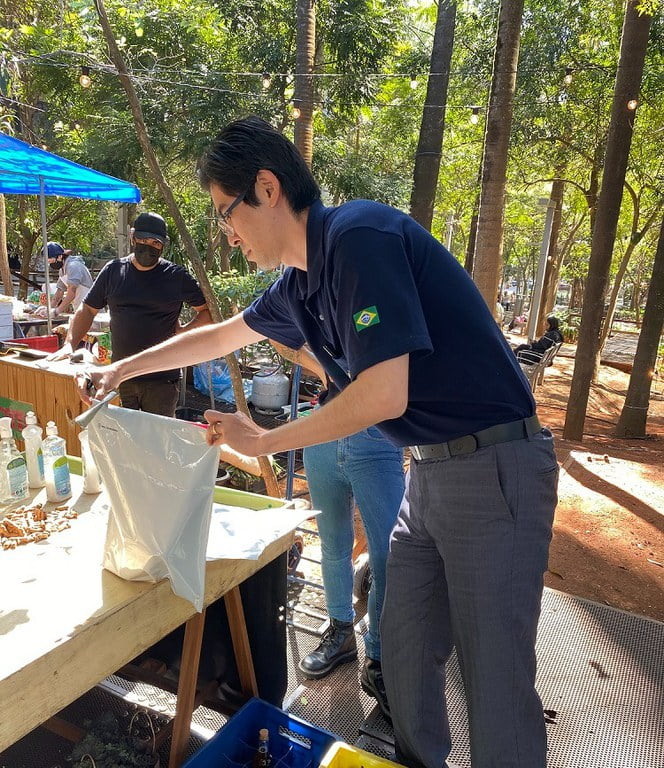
column 296, row 112
column 475, row 115
column 569, row 72
column 84, row 79
column 632, row 104
column 266, row 80
column 413, row 81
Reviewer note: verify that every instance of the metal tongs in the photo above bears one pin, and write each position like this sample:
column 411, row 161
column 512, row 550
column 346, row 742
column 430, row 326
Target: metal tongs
column 86, row 417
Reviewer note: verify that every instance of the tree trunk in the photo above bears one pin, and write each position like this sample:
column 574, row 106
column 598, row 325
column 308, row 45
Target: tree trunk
column 635, row 238
column 489, row 246
column 303, row 98
column 632, row 421
column 591, row 193
column 556, row 200
column 4, row 256
column 577, row 294
column 271, row 484
column 628, row 80
column 224, row 256
column 637, row 298
column 469, row 264
column 559, row 260
column 427, row 156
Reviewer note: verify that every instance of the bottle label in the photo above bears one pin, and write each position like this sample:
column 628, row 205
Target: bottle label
column 40, row 463
column 61, row 478
column 18, row 478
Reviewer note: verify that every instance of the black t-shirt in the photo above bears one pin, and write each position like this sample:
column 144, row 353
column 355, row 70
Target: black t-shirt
column 379, row 286
column 144, row 305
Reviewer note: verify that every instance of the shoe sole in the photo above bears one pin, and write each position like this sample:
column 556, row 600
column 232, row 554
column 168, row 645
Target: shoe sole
column 383, row 710
column 310, row 675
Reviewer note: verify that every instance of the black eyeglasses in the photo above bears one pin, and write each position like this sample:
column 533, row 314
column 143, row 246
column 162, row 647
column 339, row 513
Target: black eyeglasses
column 223, row 218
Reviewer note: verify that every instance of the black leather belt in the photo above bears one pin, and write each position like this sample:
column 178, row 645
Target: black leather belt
column 500, row 433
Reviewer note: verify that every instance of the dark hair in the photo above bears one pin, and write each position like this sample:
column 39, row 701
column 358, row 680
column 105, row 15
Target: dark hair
column 554, row 323
column 247, row 146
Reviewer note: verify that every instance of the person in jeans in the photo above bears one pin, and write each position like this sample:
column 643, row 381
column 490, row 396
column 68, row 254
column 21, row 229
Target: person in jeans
column 367, row 469
column 410, row 342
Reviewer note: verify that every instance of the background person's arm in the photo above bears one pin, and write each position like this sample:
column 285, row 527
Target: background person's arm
column 79, row 325
column 201, row 318
column 302, row 356
column 378, row 393
column 61, row 305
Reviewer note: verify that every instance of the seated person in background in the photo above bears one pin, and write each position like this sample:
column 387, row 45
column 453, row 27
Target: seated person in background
column 532, row 353
column 517, row 322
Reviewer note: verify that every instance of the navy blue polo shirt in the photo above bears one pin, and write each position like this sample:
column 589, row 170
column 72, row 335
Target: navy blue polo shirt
column 378, row 286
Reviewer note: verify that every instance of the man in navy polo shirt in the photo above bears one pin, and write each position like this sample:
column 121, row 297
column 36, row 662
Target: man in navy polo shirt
column 404, row 334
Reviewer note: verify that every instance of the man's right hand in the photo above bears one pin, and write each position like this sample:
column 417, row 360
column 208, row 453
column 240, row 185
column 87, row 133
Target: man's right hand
column 97, row 384
column 64, row 352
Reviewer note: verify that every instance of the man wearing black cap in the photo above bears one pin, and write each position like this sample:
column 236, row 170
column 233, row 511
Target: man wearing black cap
column 144, row 294
column 74, row 279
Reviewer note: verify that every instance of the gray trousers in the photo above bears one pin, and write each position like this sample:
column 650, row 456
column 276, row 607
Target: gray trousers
column 465, row 570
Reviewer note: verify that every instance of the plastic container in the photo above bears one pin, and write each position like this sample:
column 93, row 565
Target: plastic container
column 56, row 468
column 34, row 456
column 341, row 755
column 91, row 480
column 44, row 343
column 13, row 469
column 294, row 743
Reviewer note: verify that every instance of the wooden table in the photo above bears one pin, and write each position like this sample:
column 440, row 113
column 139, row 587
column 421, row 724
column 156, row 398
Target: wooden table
column 51, row 392
column 65, row 623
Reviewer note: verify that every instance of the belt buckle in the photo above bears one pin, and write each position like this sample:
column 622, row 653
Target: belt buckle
column 463, row 445
column 415, row 452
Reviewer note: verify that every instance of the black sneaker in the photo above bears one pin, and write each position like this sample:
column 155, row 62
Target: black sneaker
column 372, row 684
column 337, row 646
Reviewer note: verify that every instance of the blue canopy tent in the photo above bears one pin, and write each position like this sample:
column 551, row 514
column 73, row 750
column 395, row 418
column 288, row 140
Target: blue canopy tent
column 27, row 170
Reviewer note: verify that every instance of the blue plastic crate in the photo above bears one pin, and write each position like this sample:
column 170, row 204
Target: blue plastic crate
column 294, row 743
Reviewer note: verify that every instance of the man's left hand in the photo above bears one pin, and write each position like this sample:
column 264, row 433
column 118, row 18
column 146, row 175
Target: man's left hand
column 236, row 430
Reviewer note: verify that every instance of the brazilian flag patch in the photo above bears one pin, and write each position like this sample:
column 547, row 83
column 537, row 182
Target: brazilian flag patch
column 365, row 318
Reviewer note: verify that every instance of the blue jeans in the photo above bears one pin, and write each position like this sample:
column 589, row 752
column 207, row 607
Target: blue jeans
column 364, row 468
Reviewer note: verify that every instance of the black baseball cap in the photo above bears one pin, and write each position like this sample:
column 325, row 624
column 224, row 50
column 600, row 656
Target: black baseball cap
column 151, row 225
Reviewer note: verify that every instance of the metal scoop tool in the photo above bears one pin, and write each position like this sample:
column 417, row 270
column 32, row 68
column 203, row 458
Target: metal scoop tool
column 85, row 418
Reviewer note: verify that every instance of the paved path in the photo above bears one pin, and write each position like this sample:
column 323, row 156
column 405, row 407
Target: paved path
column 620, row 348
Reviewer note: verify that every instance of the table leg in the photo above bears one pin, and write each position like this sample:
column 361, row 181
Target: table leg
column 191, row 654
column 241, row 647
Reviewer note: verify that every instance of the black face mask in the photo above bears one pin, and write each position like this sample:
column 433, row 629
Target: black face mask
column 57, row 264
column 146, row 255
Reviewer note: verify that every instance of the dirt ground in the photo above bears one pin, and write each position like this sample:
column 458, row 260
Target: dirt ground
column 608, row 541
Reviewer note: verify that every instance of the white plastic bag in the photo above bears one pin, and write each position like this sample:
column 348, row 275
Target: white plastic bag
column 159, row 475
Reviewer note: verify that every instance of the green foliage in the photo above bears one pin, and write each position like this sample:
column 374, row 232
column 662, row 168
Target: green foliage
column 109, row 746
column 569, row 326
column 235, row 292
column 197, row 65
